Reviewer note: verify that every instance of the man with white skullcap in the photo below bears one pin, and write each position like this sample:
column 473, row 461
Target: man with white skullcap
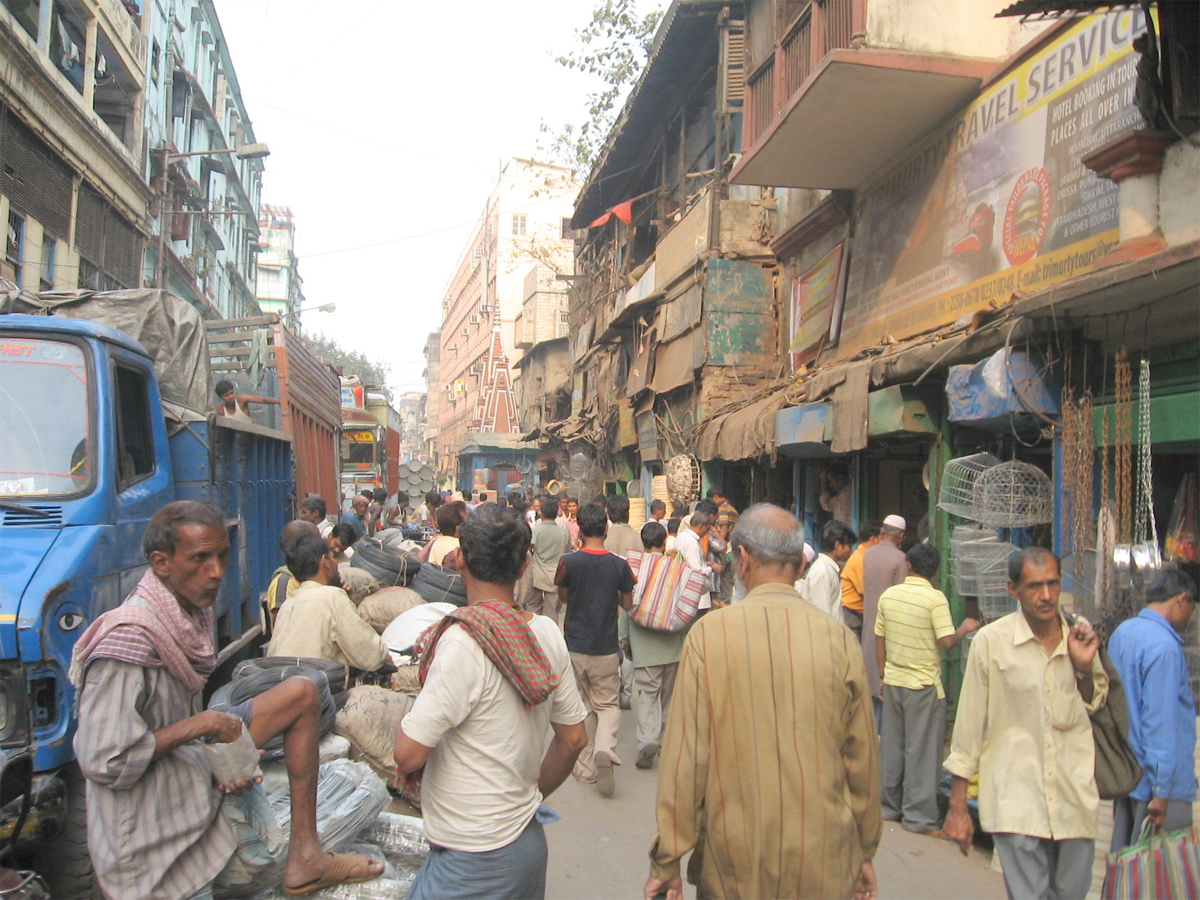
column 884, row 566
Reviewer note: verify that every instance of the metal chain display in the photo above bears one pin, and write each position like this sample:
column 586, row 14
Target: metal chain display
column 1144, row 510
column 1124, row 447
column 1078, row 461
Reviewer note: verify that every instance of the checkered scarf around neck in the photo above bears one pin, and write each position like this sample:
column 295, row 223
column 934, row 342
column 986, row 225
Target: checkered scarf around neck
column 158, row 635
column 505, row 638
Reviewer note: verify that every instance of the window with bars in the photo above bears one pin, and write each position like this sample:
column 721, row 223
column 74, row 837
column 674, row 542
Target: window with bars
column 49, row 262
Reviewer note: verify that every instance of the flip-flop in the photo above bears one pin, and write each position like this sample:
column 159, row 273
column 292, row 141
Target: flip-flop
column 338, row 873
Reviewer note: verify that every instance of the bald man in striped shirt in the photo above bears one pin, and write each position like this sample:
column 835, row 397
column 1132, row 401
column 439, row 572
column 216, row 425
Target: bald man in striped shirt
column 769, row 769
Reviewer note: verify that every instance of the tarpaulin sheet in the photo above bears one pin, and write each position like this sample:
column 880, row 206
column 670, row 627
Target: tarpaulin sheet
column 745, row 433
column 170, row 329
column 676, row 362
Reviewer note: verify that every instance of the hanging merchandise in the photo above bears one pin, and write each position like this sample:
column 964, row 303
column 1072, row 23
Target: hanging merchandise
column 1146, row 552
column 1077, row 462
column 1183, row 531
column 1014, row 495
column 1123, row 455
column 957, row 494
column 683, row 479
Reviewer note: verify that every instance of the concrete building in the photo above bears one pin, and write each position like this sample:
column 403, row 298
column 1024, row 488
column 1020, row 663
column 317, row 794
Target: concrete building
column 485, row 314
column 410, row 409
column 73, row 196
column 278, row 285
column 206, row 233
column 433, row 397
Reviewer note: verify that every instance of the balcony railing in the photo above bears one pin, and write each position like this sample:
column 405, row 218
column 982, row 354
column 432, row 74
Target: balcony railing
column 822, row 26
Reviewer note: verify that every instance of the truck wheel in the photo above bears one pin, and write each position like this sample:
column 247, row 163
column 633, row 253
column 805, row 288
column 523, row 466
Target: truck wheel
column 64, row 862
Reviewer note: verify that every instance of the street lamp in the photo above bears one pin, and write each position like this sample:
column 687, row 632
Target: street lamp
column 324, row 307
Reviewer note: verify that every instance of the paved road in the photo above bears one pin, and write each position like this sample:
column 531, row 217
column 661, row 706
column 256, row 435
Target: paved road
column 599, row 848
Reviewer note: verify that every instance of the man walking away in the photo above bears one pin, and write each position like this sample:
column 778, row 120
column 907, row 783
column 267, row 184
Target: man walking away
column 1148, row 653
column 621, row 538
column 913, row 627
column 655, row 657
column 593, row 585
column 549, row 544
column 158, row 824
column 852, row 577
column 884, row 565
column 495, row 681
column 822, row 584
column 1024, row 727
column 779, row 798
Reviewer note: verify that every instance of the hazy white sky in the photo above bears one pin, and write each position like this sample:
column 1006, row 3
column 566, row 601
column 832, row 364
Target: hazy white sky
column 387, row 123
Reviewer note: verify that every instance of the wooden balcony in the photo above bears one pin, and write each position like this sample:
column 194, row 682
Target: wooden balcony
column 828, row 110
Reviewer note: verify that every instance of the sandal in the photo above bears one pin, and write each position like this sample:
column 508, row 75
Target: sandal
column 339, row 872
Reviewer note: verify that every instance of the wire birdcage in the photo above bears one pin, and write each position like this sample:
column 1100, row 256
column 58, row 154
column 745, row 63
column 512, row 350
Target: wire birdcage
column 994, row 599
column 957, row 495
column 1013, row 495
column 965, row 558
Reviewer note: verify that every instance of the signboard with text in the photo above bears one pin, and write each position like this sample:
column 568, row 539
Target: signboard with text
column 813, row 295
column 996, row 201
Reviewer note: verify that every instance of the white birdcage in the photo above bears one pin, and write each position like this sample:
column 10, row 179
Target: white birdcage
column 1013, row 495
column 966, row 558
column 994, row 599
column 957, row 495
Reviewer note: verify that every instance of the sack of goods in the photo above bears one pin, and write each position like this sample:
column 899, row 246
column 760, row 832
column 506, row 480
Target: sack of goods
column 667, row 594
column 437, row 584
column 390, row 566
column 381, row 608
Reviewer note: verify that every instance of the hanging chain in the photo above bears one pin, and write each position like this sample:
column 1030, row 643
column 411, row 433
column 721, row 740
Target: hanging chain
column 1146, row 527
column 1124, row 447
column 1078, row 460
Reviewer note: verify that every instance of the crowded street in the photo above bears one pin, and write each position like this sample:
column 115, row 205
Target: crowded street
column 663, row 449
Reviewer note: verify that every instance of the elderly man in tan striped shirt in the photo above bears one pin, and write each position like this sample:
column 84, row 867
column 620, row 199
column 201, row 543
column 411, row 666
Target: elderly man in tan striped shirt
column 769, row 771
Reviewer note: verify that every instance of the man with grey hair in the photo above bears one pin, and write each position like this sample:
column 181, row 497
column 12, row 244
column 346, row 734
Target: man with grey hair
column 771, row 806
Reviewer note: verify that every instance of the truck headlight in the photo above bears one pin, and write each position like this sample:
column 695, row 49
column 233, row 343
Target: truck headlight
column 14, row 711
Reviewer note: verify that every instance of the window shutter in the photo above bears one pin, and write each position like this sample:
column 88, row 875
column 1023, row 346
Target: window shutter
column 733, row 63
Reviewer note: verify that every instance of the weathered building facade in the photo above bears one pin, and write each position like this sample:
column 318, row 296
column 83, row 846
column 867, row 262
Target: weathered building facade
column 501, row 300
column 73, row 197
column 206, row 233
column 278, row 287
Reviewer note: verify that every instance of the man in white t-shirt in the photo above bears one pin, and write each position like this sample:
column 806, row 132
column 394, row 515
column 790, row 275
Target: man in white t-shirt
column 495, row 681
column 822, row 583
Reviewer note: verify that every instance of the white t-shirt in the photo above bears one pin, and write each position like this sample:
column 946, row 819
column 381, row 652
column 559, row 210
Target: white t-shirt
column 480, row 789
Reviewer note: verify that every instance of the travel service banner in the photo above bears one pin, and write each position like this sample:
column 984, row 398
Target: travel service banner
column 997, row 202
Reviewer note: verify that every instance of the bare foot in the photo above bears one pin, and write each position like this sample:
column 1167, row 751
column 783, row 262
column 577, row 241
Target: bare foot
column 304, row 877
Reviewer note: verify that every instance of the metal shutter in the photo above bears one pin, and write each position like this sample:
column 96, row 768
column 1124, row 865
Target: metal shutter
column 36, row 181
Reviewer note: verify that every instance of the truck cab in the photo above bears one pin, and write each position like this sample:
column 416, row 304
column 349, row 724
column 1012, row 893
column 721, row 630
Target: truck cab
column 84, row 464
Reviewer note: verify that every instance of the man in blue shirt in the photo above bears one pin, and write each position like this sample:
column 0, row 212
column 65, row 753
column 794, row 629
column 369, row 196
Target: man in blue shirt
column 356, row 516
column 1148, row 653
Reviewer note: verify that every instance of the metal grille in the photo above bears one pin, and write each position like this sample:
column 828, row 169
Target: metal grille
column 797, row 55
column 760, row 107
column 839, row 24
column 106, row 239
column 35, row 180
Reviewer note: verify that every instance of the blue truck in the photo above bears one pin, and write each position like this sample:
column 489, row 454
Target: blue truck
column 97, row 433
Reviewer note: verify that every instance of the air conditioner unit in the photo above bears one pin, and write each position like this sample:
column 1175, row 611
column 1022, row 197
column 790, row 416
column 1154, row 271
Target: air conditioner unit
column 445, row 388
column 484, row 309
column 466, row 332
column 452, row 348
column 474, row 320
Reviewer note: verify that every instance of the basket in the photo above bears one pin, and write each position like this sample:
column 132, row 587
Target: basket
column 957, row 494
column 683, row 479
column 1013, row 495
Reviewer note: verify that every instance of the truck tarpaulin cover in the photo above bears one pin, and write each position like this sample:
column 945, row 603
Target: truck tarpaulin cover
column 170, row 329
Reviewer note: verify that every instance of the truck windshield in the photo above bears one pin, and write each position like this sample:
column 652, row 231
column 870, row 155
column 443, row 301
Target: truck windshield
column 44, row 419
column 358, row 450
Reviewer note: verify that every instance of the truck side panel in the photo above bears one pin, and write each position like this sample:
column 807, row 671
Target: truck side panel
column 251, row 481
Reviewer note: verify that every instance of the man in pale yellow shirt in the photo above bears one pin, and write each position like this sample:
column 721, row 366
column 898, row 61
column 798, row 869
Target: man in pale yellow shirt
column 913, row 626
column 852, row 577
column 1023, row 725
column 320, row 620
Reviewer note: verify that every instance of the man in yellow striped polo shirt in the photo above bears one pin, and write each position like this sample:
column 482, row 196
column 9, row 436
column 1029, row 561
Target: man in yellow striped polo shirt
column 914, row 626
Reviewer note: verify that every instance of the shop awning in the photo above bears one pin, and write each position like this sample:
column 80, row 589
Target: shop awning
column 746, row 432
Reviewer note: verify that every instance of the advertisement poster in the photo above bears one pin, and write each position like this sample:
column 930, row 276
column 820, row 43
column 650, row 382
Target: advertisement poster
column 997, row 202
column 813, row 295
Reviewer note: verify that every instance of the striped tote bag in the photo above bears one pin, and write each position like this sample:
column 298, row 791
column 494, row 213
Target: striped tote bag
column 1157, row 867
column 667, row 593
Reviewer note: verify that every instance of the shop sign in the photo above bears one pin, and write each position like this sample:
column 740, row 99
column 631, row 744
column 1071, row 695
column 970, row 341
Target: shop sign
column 360, row 437
column 813, row 295
column 997, row 202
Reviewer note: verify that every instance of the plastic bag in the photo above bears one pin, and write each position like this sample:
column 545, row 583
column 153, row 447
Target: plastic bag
column 349, row 797
column 1183, row 532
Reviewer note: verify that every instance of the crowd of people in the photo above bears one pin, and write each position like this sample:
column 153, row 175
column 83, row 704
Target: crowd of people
column 800, row 707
